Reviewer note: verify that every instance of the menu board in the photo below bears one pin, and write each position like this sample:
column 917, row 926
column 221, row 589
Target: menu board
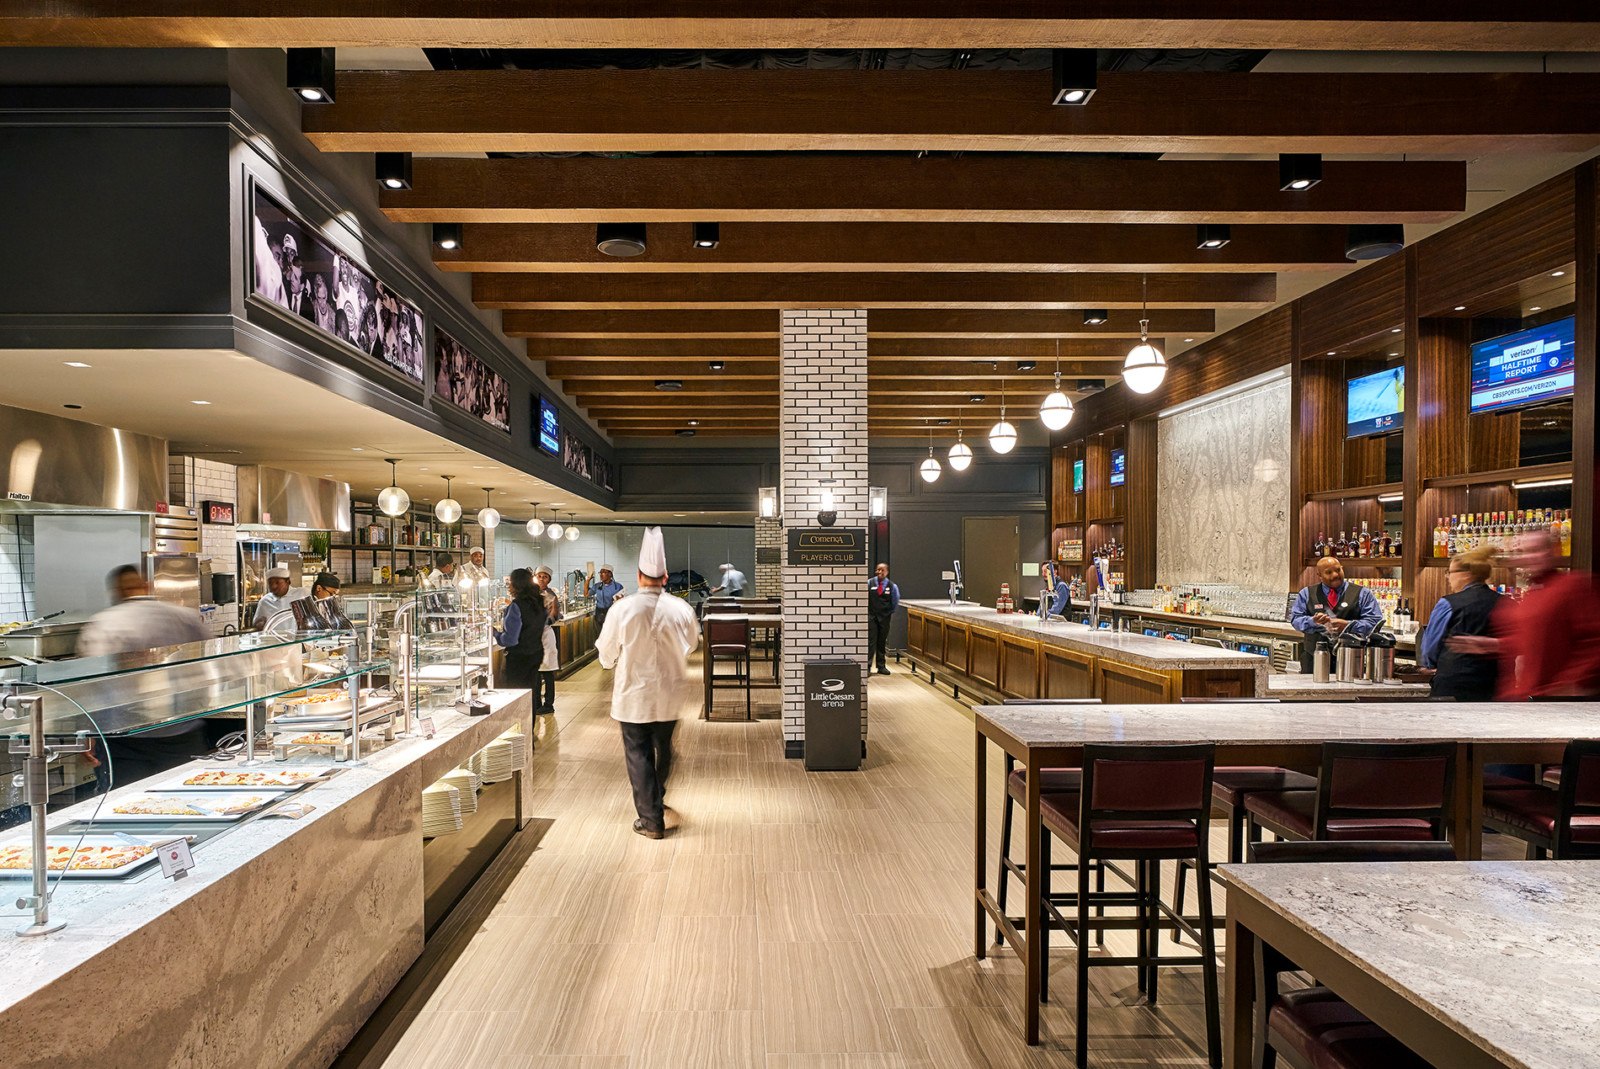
column 469, row 383
column 294, row 267
column 547, row 428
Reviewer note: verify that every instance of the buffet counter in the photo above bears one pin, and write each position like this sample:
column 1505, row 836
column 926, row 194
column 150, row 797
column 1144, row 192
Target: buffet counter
column 273, row 950
column 999, row 656
column 575, row 635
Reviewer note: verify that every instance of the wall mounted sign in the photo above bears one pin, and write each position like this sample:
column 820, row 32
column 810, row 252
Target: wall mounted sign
column 768, row 555
column 469, row 383
column 217, row 511
column 817, row 547
column 295, row 268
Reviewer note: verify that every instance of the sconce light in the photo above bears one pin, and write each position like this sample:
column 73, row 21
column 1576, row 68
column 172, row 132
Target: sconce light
column 878, row 502
column 767, row 502
column 830, row 508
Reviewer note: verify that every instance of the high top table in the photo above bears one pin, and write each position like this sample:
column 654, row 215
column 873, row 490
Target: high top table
column 1479, row 964
column 1290, row 736
column 771, row 620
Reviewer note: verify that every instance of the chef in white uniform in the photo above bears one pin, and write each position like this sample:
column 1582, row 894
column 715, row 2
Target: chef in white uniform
column 277, row 598
column 474, row 569
column 646, row 639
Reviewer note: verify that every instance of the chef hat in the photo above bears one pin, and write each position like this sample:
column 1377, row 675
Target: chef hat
column 653, row 554
column 279, row 572
column 544, row 569
column 727, row 567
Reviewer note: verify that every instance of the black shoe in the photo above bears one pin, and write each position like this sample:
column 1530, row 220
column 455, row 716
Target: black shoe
column 883, row 671
column 641, row 828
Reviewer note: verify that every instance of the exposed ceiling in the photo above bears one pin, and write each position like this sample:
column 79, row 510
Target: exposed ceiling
column 937, row 188
column 258, row 415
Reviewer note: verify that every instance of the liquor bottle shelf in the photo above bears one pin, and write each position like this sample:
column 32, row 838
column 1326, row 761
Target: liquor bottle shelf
column 1357, row 493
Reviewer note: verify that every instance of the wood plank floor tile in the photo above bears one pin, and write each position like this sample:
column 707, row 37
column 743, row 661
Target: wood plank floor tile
column 821, row 998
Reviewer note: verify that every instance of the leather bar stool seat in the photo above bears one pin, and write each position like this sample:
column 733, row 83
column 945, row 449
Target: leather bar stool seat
column 1538, row 810
column 1494, row 781
column 1232, row 782
column 1051, row 781
column 1295, row 811
column 1060, row 814
column 1329, row 1033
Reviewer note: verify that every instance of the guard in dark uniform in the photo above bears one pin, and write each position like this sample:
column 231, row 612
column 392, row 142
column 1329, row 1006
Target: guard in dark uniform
column 883, row 598
column 1331, row 607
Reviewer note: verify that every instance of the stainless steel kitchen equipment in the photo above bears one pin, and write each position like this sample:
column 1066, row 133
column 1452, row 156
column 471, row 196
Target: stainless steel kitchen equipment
column 1321, row 665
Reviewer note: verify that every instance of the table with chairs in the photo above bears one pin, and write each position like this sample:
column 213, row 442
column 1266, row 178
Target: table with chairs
column 1130, row 789
column 739, row 632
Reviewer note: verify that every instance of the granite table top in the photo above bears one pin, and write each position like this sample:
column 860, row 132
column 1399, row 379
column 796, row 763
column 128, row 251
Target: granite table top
column 1294, row 723
column 1140, row 650
column 1297, row 686
column 99, row 913
column 1504, row 953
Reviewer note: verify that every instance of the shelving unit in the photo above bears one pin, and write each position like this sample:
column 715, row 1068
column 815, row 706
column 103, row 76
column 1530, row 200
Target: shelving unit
column 343, row 556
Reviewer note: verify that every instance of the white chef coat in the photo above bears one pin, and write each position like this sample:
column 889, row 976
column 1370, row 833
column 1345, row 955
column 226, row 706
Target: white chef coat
column 139, row 624
column 437, row 578
column 475, row 572
column 270, row 605
column 646, row 639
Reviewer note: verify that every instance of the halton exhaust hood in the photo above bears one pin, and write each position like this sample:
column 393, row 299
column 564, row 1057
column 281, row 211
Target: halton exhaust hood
column 48, row 464
column 271, row 497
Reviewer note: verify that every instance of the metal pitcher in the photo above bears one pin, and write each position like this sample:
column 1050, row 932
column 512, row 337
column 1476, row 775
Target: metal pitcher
column 1322, row 665
column 1352, row 664
column 1380, row 664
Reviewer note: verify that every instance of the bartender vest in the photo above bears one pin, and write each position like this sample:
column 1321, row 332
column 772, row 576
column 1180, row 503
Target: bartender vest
column 1468, row 676
column 1348, row 607
column 530, row 641
column 881, row 604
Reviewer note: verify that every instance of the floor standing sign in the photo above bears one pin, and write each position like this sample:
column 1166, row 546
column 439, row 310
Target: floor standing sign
column 833, row 715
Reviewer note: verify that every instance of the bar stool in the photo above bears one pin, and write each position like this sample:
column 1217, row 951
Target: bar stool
column 1562, row 823
column 1230, row 786
column 1366, row 791
column 1313, row 1028
column 728, row 639
column 1051, row 781
column 1144, row 804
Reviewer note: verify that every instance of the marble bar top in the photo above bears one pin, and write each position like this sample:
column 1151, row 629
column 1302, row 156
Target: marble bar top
column 1504, row 953
column 1299, row 687
column 101, row 913
column 1221, row 623
column 1294, row 723
column 1139, row 650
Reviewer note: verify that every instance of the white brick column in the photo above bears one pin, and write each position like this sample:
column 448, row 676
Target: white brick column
column 769, row 576
column 823, row 436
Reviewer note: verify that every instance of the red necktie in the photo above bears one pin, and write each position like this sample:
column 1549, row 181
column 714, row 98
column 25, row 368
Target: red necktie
column 1333, row 598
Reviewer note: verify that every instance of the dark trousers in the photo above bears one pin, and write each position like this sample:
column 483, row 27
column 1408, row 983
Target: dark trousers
column 880, row 638
column 600, row 620
column 544, row 692
column 648, row 750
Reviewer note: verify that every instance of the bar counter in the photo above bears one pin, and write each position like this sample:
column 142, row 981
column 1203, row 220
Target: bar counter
column 274, row 950
column 1013, row 655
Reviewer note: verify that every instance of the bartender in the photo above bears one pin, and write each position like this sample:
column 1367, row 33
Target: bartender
column 1330, row 608
column 883, row 598
column 1059, row 591
column 474, row 569
column 277, row 598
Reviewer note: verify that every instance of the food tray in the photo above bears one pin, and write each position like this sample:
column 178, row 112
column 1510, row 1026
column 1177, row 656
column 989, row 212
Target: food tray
column 283, row 779
column 116, row 845
column 238, row 805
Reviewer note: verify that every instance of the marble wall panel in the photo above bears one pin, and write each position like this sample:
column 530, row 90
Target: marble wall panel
column 1223, row 491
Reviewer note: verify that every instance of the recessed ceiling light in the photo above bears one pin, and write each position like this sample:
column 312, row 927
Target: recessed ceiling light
column 694, row 423
column 358, row 449
column 1536, row 308
column 1187, row 340
column 72, row 406
column 975, row 399
column 717, row 365
column 199, row 402
column 1332, row 352
column 78, row 363
column 1394, row 354
column 669, row 384
column 1461, row 308
column 1557, row 274
column 1094, row 317
column 680, row 515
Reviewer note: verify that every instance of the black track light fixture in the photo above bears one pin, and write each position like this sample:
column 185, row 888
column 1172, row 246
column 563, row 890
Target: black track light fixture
column 620, row 239
column 1095, row 317
column 1212, row 235
column 392, row 169
column 447, row 236
column 707, row 235
column 310, row 74
column 1074, row 72
column 718, row 365
column 1027, row 365
column 1373, row 241
column 1299, row 171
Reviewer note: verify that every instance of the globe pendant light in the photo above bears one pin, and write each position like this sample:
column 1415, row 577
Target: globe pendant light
column 448, row 510
column 572, row 530
column 1002, row 436
column 535, row 525
column 1056, row 411
column 393, row 501
column 1144, row 368
column 960, row 454
column 488, row 516
column 930, row 468
column 554, row 530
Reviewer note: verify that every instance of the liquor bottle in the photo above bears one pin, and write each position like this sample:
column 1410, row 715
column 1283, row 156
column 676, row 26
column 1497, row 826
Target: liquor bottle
column 1440, row 538
column 1385, row 545
column 1395, row 548
column 1566, row 532
column 1364, row 547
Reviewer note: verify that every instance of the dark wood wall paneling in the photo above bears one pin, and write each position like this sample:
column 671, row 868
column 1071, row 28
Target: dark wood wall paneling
column 1585, row 432
column 1521, row 238
column 1362, row 305
column 1140, row 525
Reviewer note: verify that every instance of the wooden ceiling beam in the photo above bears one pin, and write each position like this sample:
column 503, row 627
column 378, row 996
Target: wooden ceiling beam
column 557, row 247
column 1366, row 25
column 682, row 350
column 953, row 369
column 747, row 323
column 744, row 110
column 583, row 390
column 991, row 189
column 984, row 289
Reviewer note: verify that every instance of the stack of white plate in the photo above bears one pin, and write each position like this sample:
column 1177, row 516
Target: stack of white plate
column 495, row 762
column 441, row 810
column 466, row 781
column 519, row 749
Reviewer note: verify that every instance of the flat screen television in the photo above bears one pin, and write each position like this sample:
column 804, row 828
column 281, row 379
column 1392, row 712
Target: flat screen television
column 1077, row 476
column 549, row 425
column 1119, row 467
column 1374, row 403
column 1529, row 367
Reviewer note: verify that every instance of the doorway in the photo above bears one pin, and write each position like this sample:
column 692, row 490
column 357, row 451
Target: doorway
column 990, row 555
